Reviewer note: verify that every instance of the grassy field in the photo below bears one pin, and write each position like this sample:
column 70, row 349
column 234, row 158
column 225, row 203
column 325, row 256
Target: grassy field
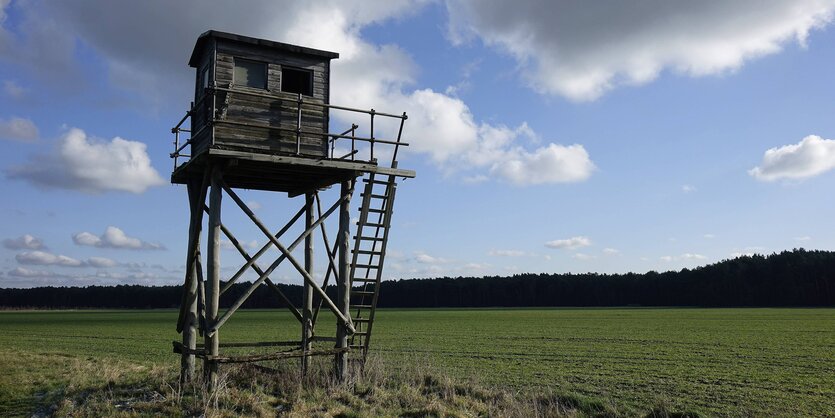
column 725, row 362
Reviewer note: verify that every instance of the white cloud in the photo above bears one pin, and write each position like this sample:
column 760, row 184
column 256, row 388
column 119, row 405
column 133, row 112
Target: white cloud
column 506, row 253
column 582, row 256
column 83, row 164
column 114, row 237
column 803, row 238
column 810, row 157
column 23, row 272
column 24, row 242
column 581, row 50
column 101, row 262
column 424, row 258
column 227, row 245
column 149, row 59
column 611, row 251
column 551, row 164
column 18, row 129
column 13, row 90
column 42, row 258
column 254, row 205
column 684, row 257
column 569, row 243
column 688, row 188
column 709, row 236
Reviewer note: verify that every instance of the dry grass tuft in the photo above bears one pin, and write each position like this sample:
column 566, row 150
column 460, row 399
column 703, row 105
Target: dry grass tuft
column 279, row 389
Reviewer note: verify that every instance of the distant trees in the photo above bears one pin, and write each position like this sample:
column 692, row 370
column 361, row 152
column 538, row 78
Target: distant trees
column 790, row 278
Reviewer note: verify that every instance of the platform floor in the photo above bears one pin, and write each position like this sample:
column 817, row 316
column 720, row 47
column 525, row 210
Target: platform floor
column 278, row 173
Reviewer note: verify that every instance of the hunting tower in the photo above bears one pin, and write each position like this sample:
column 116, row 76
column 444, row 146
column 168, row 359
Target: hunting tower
column 260, row 120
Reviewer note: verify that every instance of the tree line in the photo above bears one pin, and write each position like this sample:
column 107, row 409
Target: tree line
column 790, row 278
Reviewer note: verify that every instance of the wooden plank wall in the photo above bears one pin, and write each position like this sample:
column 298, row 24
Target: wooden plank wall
column 281, row 112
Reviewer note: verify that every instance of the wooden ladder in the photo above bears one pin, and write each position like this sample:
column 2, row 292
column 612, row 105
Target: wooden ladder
column 368, row 255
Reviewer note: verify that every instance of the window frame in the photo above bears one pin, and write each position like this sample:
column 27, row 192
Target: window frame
column 265, row 66
column 300, row 70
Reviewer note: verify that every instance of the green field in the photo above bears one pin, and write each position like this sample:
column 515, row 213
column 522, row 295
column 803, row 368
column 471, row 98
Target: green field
column 726, row 362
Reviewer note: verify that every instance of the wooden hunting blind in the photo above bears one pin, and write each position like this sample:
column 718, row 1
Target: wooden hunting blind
column 260, row 120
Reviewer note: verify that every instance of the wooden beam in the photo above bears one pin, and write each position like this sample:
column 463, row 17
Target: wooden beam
column 260, row 252
column 312, row 162
column 343, row 288
column 331, row 262
column 307, row 293
column 273, row 286
column 213, row 286
column 285, row 255
column 191, row 321
column 192, row 249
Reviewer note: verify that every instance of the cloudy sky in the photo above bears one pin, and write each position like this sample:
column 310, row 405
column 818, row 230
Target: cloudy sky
column 548, row 136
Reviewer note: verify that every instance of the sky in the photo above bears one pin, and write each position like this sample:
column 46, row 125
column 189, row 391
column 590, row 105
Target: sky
column 547, row 136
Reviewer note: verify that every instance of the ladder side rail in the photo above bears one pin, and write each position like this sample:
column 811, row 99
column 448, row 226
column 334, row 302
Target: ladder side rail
column 391, row 190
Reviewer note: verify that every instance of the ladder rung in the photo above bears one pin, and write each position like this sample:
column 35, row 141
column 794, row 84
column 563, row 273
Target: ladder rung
column 376, row 196
column 360, row 320
column 372, row 224
column 360, row 333
column 366, row 266
column 363, row 279
column 361, row 306
column 370, row 238
column 375, row 181
column 362, row 293
column 375, row 210
column 368, row 252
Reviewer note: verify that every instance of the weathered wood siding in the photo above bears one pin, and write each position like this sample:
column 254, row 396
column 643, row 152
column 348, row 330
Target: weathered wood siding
column 201, row 133
column 247, row 115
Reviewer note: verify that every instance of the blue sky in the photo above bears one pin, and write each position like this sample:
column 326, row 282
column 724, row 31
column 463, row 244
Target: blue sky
column 548, row 136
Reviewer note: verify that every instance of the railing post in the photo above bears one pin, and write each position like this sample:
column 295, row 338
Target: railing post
column 399, row 134
column 299, row 126
column 176, row 146
column 353, row 140
column 372, row 134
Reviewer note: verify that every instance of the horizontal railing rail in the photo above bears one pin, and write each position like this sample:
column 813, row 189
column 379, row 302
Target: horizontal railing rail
column 288, row 103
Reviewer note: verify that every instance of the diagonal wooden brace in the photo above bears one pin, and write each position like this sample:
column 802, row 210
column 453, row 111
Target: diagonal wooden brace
column 346, row 320
column 258, row 270
column 260, row 252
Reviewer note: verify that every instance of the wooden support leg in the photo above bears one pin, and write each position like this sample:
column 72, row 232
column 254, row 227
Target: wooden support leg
column 343, row 286
column 213, row 277
column 307, row 295
column 190, row 320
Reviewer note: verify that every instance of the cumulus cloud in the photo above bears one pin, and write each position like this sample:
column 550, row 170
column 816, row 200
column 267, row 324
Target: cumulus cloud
column 808, row 158
column 42, row 258
column 581, row 50
column 551, row 164
column 569, row 243
column 18, row 129
column 611, row 251
column 24, row 242
column 114, row 237
column 87, row 165
column 149, row 59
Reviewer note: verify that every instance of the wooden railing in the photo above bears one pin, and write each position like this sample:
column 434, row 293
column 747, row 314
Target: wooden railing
column 210, row 98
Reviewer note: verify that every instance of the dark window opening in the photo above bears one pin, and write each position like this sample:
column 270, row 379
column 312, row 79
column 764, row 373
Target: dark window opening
column 297, row 81
column 204, row 81
column 250, row 74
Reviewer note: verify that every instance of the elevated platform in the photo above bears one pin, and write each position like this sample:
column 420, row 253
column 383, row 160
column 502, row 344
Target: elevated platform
column 279, row 173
